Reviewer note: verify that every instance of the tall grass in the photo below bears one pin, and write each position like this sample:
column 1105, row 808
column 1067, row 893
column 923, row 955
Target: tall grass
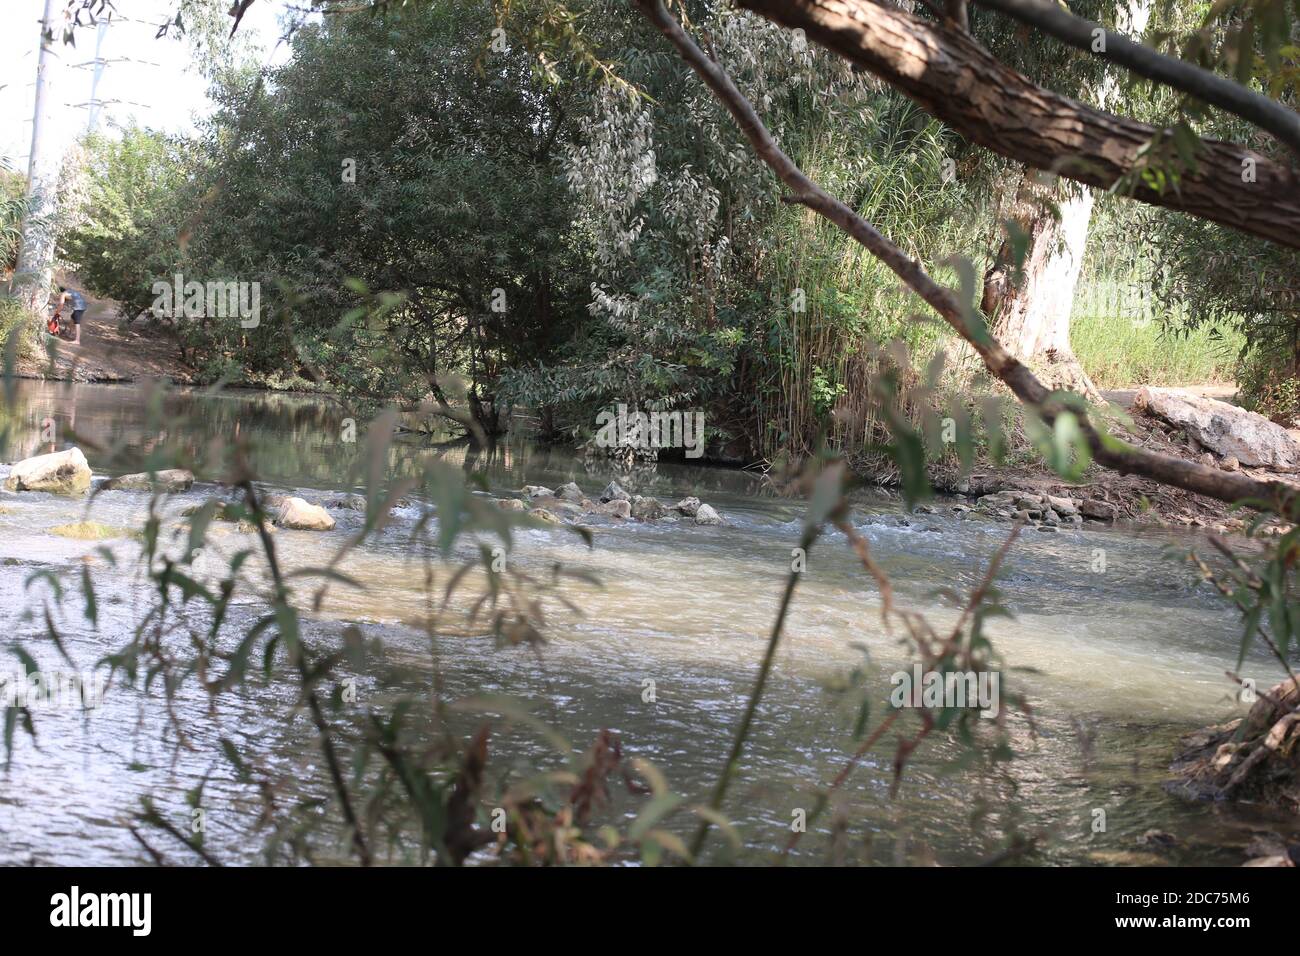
column 892, row 174
column 13, row 207
column 1121, row 338
column 13, row 316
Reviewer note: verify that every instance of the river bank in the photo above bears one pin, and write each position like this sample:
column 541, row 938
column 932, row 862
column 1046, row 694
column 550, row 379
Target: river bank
column 115, row 352
column 112, row 351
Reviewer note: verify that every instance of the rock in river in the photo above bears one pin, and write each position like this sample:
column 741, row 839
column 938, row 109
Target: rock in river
column 706, row 515
column 301, row 515
column 688, row 506
column 618, row 508
column 1098, row 510
column 59, row 473
column 541, row 514
column 647, row 509
column 167, row 480
column 569, row 492
column 346, row 503
column 614, row 492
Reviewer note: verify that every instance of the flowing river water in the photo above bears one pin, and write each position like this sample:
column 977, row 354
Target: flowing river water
column 1115, row 664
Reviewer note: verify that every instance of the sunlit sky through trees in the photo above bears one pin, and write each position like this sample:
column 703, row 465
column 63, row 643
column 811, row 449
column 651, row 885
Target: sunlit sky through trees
column 151, row 80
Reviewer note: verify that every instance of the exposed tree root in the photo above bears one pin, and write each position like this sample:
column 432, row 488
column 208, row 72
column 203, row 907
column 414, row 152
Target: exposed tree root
column 1254, row 758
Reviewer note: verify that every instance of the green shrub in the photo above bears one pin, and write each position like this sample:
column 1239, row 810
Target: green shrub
column 14, row 317
column 1269, row 385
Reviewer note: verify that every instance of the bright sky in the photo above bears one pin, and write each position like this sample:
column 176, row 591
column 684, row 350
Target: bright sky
column 150, row 80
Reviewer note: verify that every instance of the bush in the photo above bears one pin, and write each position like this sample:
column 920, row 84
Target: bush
column 1268, row 382
column 135, row 208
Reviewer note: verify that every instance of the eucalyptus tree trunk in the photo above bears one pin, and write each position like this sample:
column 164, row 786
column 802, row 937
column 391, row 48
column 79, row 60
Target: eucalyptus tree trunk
column 1029, row 308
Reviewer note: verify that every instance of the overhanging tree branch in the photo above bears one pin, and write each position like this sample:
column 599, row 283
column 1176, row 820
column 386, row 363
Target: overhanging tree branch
column 955, row 79
column 1107, row 450
column 1053, row 19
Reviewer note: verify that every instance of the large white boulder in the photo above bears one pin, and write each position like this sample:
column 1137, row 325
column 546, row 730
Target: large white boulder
column 59, row 473
column 302, row 515
column 1222, row 428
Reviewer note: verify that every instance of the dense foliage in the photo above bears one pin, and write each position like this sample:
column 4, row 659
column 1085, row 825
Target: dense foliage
column 419, row 204
column 549, row 211
column 135, row 206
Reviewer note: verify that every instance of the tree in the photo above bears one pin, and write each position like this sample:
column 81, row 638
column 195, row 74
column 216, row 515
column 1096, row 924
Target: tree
column 711, row 294
column 1029, row 287
column 35, row 268
column 138, row 195
column 952, row 76
column 397, row 189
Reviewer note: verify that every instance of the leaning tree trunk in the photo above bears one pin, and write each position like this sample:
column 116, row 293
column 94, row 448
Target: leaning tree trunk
column 487, row 414
column 989, row 104
column 1029, row 308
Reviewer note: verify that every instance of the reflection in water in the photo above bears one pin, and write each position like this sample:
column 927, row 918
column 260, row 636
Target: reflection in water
column 1114, row 665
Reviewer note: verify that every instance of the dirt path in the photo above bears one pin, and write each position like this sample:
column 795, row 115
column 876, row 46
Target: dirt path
column 111, row 353
column 1123, row 397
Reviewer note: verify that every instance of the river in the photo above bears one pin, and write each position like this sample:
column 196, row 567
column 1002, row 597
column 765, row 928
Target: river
column 1115, row 664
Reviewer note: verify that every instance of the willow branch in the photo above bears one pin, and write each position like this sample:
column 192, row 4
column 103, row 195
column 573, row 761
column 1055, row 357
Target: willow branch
column 751, row 707
column 298, row 654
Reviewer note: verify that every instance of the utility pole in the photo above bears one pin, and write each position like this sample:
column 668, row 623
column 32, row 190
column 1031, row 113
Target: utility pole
column 35, row 269
column 95, row 104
